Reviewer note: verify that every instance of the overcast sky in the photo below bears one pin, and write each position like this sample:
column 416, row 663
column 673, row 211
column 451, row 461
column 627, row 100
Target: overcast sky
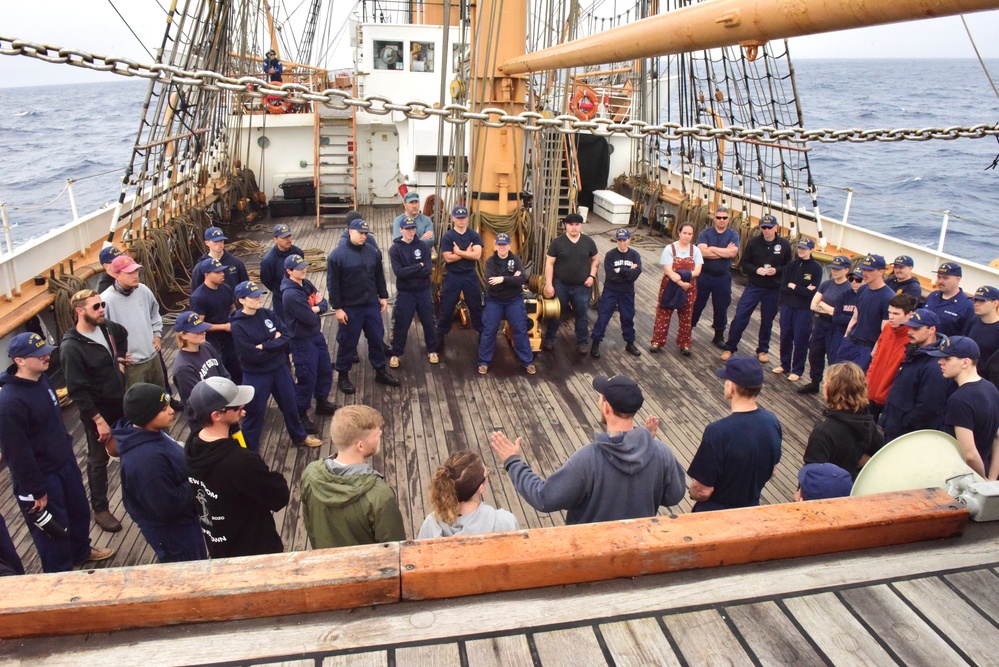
column 93, row 25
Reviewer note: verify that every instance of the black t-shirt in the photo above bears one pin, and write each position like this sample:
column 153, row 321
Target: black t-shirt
column 872, row 310
column 737, row 456
column 975, row 406
column 572, row 260
column 987, row 337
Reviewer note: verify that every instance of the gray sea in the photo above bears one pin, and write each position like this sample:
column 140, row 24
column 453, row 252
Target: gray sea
column 85, row 132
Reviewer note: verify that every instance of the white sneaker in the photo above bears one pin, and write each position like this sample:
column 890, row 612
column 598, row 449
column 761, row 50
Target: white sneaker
column 394, row 362
column 434, row 359
column 778, row 369
column 793, row 377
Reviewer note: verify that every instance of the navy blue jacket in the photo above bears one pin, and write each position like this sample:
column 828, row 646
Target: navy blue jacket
column 248, row 331
column 302, row 321
column 918, row 395
column 621, row 270
column 758, row 252
column 33, row 439
column 155, row 486
column 804, row 273
column 411, row 265
column 272, row 268
column 512, row 286
column 235, row 271
column 355, row 276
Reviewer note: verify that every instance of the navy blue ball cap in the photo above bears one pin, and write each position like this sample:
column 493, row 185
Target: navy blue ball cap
column 249, row 288
column 950, row 269
column 768, row 222
column 819, row 481
column 743, row 371
column 190, row 322
column 459, row 212
column 28, row 344
column 622, row 235
column 986, row 293
column 282, row 231
column 408, row 223
column 806, row 243
column 502, row 239
column 840, row 262
column 359, row 225
column 294, row 262
column 215, row 234
column 923, row 317
column 904, row 260
column 961, row 347
column 873, row 263
column 108, row 254
column 210, row 265
column 621, row 392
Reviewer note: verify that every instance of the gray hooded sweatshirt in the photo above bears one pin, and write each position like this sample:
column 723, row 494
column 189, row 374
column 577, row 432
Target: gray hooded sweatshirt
column 625, row 476
column 485, row 519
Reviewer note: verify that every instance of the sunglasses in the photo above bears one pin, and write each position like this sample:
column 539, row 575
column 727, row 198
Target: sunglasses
column 100, row 305
column 721, row 217
column 855, row 279
column 233, row 408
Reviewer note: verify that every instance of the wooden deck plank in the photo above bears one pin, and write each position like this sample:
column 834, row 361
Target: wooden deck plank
column 836, row 632
column 503, row 651
column 371, row 659
column 704, row 638
column 569, row 648
column 638, row 642
column 772, row 636
column 430, row 655
column 961, row 623
column 981, row 588
column 913, row 640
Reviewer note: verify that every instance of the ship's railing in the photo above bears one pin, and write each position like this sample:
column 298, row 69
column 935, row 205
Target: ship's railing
column 416, row 13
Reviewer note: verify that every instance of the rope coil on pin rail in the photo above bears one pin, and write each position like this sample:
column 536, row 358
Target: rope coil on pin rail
column 529, row 121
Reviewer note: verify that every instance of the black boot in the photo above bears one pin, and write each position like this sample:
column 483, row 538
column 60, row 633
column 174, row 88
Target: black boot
column 307, row 424
column 632, row 349
column 719, row 340
column 383, row 377
column 810, row 388
column 595, row 349
column 324, row 407
column 344, row 384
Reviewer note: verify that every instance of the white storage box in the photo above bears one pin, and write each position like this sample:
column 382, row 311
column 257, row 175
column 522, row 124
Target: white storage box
column 612, row 207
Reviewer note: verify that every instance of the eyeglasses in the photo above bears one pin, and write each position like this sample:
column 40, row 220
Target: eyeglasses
column 855, row 279
column 100, row 305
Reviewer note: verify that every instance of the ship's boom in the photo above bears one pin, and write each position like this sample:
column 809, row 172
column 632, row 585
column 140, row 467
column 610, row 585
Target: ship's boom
column 718, row 23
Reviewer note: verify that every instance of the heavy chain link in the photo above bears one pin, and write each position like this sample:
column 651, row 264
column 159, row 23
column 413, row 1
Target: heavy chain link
column 529, row 121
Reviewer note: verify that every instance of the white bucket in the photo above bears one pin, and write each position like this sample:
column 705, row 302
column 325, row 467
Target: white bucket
column 583, row 212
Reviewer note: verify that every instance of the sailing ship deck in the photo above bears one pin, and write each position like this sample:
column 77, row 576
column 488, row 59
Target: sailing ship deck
column 444, row 408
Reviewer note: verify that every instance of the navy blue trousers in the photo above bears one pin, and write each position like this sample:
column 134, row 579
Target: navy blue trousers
column 767, row 298
column 850, row 351
column 719, row 288
column 360, row 318
column 8, row 554
column 408, row 304
column 67, row 502
column 223, row 342
column 579, row 297
column 821, row 346
column 623, row 302
column 452, row 287
column 279, row 384
column 313, row 370
column 515, row 313
column 178, row 542
column 795, row 328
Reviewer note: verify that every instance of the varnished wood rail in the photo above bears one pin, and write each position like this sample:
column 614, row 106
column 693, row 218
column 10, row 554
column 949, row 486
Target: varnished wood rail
column 301, row 582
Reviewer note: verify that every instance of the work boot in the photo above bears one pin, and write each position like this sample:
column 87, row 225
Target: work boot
column 726, row 355
column 632, row 349
column 547, row 345
column 810, row 388
column 719, row 340
column 595, row 349
column 106, row 521
column 310, row 441
column 307, row 423
column 344, row 384
column 96, row 555
column 324, row 407
column 382, row 377
column 581, row 349
column 394, row 361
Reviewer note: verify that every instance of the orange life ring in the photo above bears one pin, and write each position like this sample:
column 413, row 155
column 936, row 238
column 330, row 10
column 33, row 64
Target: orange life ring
column 584, row 103
column 276, row 105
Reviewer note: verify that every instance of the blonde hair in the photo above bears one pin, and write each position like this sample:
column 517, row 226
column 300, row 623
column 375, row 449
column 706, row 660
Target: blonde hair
column 352, row 423
column 846, row 387
column 80, row 298
column 456, row 482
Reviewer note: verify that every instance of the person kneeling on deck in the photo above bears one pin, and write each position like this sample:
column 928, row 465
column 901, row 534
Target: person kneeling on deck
column 456, row 496
column 303, row 304
column 739, row 453
column 505, row 301
column 235, row 490
column 412, row 266
column 626, row 473
column 39, row 454
column 155, row 488
column 345, row 502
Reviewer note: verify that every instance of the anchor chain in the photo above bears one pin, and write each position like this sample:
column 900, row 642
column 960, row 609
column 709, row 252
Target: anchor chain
column 529, row 121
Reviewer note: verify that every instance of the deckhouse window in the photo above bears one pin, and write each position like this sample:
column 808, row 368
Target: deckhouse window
column 388, row 54
column 421, row 57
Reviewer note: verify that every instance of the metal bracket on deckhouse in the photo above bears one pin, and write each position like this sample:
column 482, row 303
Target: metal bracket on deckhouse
column 528, row 121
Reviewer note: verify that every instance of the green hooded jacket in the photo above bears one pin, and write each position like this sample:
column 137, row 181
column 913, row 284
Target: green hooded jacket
column 349, row 505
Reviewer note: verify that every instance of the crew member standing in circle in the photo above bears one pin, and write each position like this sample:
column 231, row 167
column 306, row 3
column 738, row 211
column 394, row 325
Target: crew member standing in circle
column 718, row 245
column 461, row 248
column 570, row 271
